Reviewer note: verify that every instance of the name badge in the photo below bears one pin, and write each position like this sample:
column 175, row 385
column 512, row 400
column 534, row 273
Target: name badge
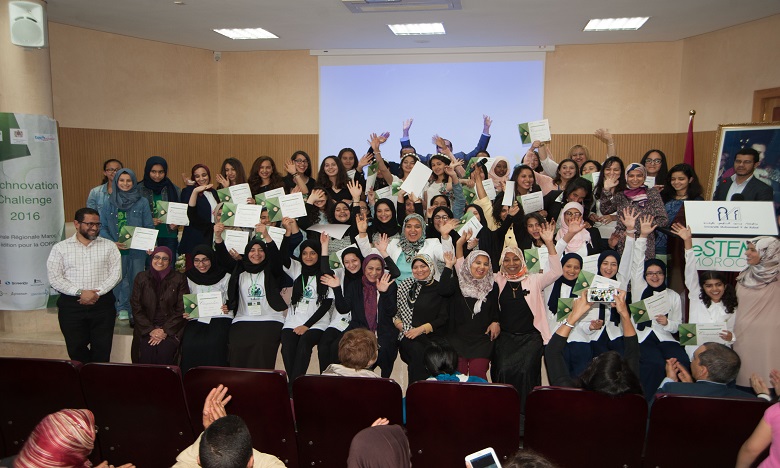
column 254, row 308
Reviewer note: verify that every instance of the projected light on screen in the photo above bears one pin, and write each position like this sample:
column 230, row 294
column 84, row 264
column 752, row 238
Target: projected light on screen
column 448, row 99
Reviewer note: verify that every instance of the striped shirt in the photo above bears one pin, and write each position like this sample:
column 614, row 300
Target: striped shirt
column 73, row 266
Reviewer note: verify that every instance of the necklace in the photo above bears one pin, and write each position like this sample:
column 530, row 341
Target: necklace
column 514, row 289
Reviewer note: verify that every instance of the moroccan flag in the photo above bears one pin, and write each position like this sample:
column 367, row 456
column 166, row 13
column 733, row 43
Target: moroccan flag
column 688, row 158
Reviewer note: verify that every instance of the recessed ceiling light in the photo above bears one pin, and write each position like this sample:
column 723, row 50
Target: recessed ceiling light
column 254, row 33
column 416, row 29
column 616, row 24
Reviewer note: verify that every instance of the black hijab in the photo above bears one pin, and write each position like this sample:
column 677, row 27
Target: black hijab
column 391, row 227
column 157, row 187
column 650, row 290
column 614, row 317
column 307, row 271
column 552, row 303
column 214, row 275
column 247, row 265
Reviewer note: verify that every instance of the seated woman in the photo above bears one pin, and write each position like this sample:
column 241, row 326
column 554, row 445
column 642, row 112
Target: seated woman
column 158, row 308
column 474, row 307
column 441, row 362
column 608, row 373
column 358, row 351
column 421, row 314
column 205, row 340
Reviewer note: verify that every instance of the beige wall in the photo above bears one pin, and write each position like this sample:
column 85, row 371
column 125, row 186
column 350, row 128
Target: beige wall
column 722, row 69
column 628, row 88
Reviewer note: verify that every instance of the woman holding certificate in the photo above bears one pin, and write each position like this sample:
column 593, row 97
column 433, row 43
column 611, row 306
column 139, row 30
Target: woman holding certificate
column 254, row 294
column 156, row 187
column 202, row 200
column 158, row 310
column 205, row 340
column 125, row 208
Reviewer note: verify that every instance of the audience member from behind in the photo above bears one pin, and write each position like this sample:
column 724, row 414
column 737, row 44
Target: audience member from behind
column 441, row 361
column 525, row 458
column 225, row 442
column 62, row 439
column 358, row 350
column 380, row 446
column 713, row 367
column 608, row 373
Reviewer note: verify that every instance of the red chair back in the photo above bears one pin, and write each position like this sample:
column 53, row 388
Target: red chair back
column 260, row 397
column 448, row 420
column 576, row 428
column 330, row 410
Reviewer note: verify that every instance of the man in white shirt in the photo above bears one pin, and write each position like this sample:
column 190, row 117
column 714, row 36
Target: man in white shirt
column 84, row 269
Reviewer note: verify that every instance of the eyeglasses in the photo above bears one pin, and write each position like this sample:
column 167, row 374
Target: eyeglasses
column 112, row 170
column 655, row 273
column 201, row 262
column 161, row 258
column 91, row 225
column 652, row 161
column 300, row 161
column 441, row 218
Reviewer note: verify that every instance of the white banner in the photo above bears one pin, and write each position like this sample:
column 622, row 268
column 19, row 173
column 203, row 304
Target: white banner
column 739, row 218
column 31, row 208
column 720, row 254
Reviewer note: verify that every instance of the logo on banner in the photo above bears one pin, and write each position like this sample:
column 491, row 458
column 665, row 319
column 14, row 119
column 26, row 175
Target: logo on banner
column 18, row 136
column 45, row 137
column 724, row 214
column 720, row 254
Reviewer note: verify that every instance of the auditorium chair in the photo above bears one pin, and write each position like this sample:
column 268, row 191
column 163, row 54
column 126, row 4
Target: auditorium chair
column 260, row 397
column 34, row 388
column 140, row 411
column 330, row 410
column 575, row 428
column 690, row 431
column 448, row 420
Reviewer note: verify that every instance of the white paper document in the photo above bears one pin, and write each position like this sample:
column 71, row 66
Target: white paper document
column 292, row 205
column 418, row 177
column 240, row 193
column 509, row 193
column 177, row 214
column 544, row 258
column 384, row 192
column 247, row 215
column 539, row 130
column 650, row 181
column 657, row 304
column 532, row 202
column 591, row 263
column 351, row 174
column 236, row 240
column 335, row 231
column 277, row 234
column 490, row 188
column 472, row 225
column 710, row 332
column 144, row 239
column 210, row 304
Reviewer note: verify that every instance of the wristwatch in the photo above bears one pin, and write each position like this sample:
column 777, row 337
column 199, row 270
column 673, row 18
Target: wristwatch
column 78, row 293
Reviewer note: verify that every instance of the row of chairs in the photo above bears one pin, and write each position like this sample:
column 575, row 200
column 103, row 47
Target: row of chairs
column 148, row 414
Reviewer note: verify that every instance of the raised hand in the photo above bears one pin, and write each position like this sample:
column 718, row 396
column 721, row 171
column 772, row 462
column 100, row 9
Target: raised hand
column 384, row 283
column 486, row 123
column 646, row 225
column 629, row 216
column 362, row 223
column 382, row 244
column 604, row 134
column 620, row 303
column 214, row 406
column 330, row 281
column 262, row 229
column 324, row 241
column 580, row 307
column 682, row 232
column 315, row 196
column 449, row 259
column 514, row 209
column 406, row 126
column 548, row 232
column 375, row 141
column 383, row 137
column 223, row 181
column 447, row 227
column 289, row 223
column 465, row 236
column 289, row 165
column 371, row 197
column 355, row 189
column 364, row 161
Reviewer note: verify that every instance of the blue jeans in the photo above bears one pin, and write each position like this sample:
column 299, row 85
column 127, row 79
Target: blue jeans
column 132, row 264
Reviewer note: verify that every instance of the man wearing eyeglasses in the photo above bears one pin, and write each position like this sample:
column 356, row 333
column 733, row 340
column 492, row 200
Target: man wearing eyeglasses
column 84, row 269
column 742, row 182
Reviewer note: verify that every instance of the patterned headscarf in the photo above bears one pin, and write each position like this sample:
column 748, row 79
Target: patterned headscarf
column 638, row 194
column 62, row 439
column 409, row 248
column 409, row 289
column 756, row 276
column 523, row 270
column 473, row 287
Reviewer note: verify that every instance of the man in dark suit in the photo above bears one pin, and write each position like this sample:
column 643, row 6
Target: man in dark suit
column 482, row 145
column 743, row 182
column 713, row 367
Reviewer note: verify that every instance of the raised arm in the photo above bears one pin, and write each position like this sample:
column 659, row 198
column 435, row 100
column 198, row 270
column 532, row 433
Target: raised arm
column 604, row 135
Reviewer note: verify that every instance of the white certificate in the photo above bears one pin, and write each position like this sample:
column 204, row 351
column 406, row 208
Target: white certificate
column 657, row 304
column 604, row 282
column 710, row 332
column 144, row 239
column 277, row 234
column 591, row 263
column 177, row 214
column 384, row 192
column 418, row 177
column 509, row 193
column 351, row 174
column 472, row 225
column 292, row 205
column 532, row 202
column 236, row 240
column 650, row 181
column 539, row 130
column 247, row 215
column 544, row 258
column 490, row 188
column 277, row 192
column 240, row 193
column 210, row 304
column 335, row 231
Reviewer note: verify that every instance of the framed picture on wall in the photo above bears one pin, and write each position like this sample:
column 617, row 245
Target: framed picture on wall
column 764, row 137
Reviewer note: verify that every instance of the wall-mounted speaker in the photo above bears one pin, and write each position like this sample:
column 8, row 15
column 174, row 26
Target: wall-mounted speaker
column 28, row 24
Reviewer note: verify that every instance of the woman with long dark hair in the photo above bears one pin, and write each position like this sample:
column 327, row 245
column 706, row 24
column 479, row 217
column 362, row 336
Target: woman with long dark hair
column 231, row 173
column 202, row 200
column 350, row 161
column 333, row 178
column 681, row 184
column 263, row 176
column 299, row 173
column 606, row 223
column 654, row 162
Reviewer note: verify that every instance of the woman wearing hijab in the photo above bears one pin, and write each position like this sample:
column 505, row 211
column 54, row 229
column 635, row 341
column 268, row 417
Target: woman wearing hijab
column 380, row 446
column 307, row 316
column 758, row 292
column 385, row 221
column 413, row 241
column 371, row 301
column 473, row 309
column 574, row 236
column 254, row 295
column 158, row 308
column 637, row 195
column 499, row 173
column 571, row 265
column 205, row 340
column 656, row 343
column 156, row 187
column 421, row 314
column 488, row 240
column 125, row 208
column 522, row 329
column 62, row 439
column 202, row 200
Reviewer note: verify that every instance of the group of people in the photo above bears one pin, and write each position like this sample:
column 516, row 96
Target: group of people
column 408, row 271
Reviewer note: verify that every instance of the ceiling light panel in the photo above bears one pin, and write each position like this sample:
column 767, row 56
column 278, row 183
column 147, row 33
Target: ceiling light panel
column 616, row 24
column 253, row 33
column 421, row 29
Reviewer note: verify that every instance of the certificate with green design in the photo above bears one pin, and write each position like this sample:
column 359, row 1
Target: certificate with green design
column 172, row 213
column 565, row 305
column 638, row 312
column 203, row 305
column 696, row 334
column 584, row 280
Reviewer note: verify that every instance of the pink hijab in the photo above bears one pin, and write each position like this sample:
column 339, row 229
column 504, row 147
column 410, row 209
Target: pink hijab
column 582, row 237
column 62, row 439
column 498, row 180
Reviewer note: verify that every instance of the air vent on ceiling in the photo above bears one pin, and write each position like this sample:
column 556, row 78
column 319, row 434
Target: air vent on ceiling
column 380, row 6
